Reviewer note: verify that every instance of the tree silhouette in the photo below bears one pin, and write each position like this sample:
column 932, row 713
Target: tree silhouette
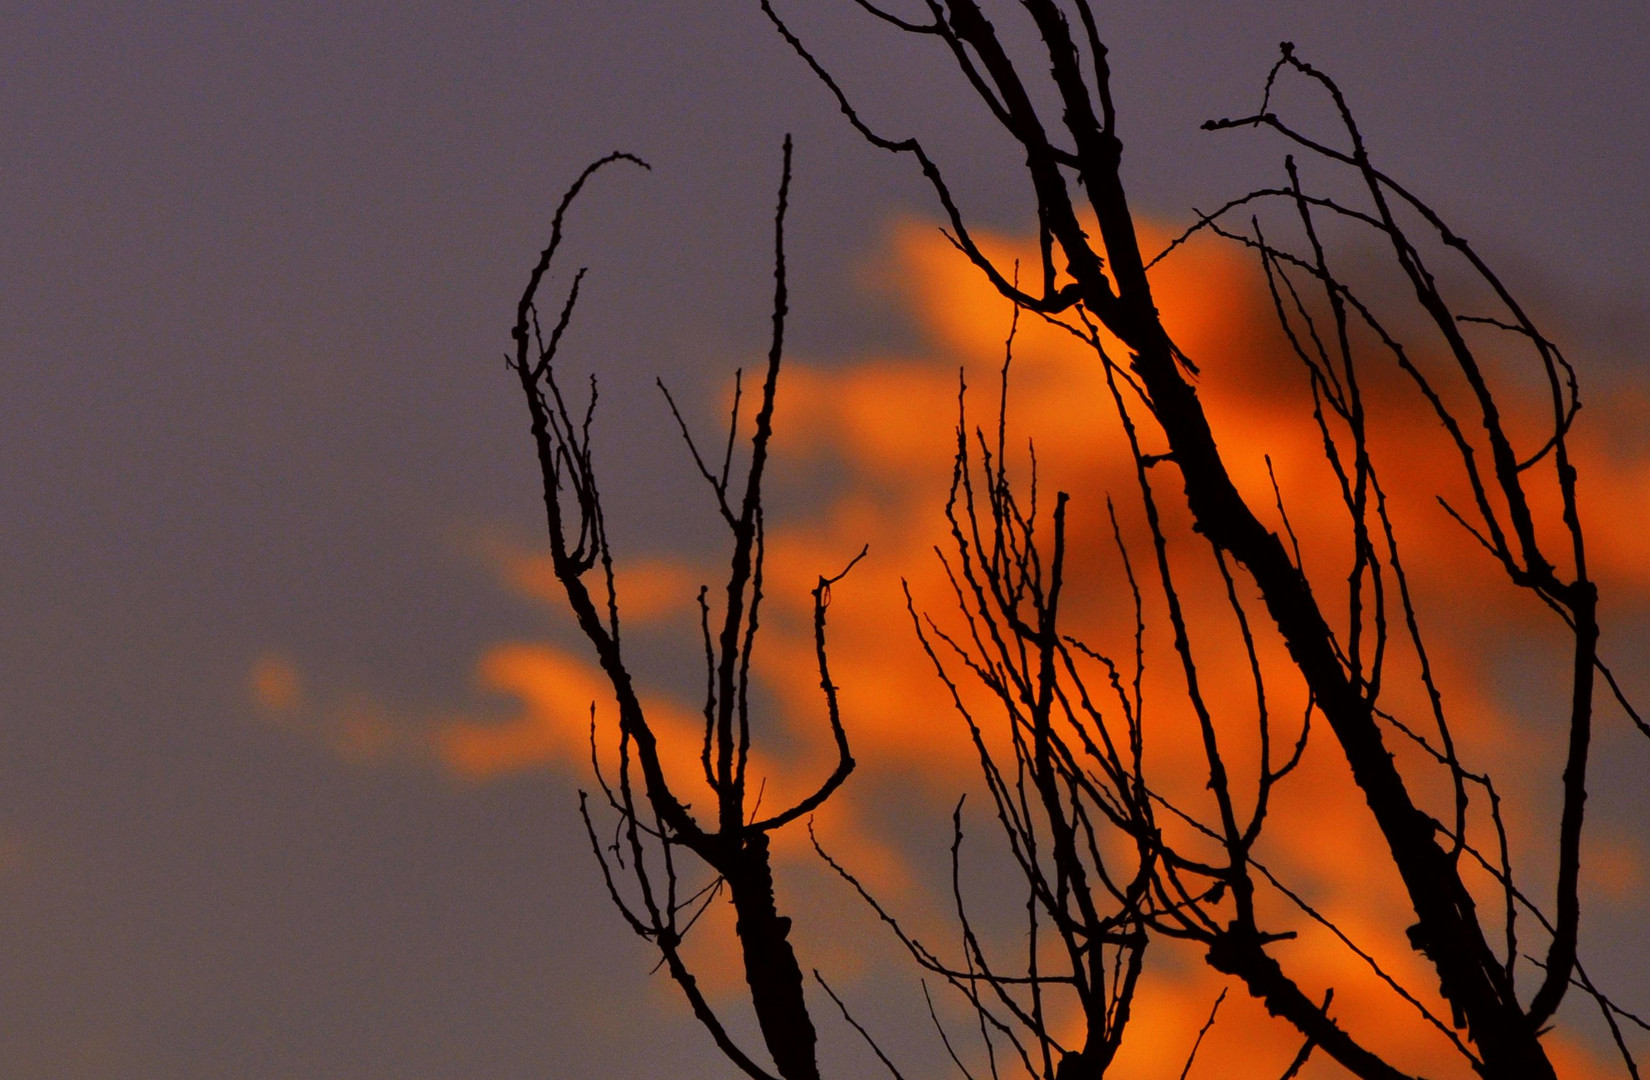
column 1109, row 861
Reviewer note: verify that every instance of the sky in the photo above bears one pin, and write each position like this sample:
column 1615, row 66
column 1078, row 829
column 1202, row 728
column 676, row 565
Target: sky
column 286, row 783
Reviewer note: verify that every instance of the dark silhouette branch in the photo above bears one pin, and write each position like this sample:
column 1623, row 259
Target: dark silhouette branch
column 1105, row 861
column 736, row 846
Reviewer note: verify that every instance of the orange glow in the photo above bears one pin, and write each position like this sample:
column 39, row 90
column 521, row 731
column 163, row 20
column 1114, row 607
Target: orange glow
column 275, row 685
column 889, row 421
column 1614, row 870
column 557, row 692
column 892, row 419
column 355, row 727
column 649, row 589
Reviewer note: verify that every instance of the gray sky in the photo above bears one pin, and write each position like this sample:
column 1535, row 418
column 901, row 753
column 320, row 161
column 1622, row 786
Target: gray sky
column 258, row 275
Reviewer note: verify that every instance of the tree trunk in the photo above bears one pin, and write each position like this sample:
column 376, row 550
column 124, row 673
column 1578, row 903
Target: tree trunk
column 771, row 969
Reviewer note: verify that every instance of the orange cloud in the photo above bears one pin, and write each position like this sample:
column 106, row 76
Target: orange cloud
column 275, row 684
column 354, row 726
column 889, row 422
column 649, row 588
column 557, row 693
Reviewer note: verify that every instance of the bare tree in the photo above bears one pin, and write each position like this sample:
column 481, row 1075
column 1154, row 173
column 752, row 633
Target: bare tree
column 656, row 823
column 1061, row 750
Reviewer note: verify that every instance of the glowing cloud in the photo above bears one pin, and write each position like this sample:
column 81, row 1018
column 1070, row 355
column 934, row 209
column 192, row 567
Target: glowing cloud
column 889, row 422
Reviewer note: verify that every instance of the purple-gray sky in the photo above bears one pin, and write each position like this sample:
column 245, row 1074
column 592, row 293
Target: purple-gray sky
column 256, row 279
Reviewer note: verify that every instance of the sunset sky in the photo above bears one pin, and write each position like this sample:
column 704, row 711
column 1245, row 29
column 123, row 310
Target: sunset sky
column 291, row 725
